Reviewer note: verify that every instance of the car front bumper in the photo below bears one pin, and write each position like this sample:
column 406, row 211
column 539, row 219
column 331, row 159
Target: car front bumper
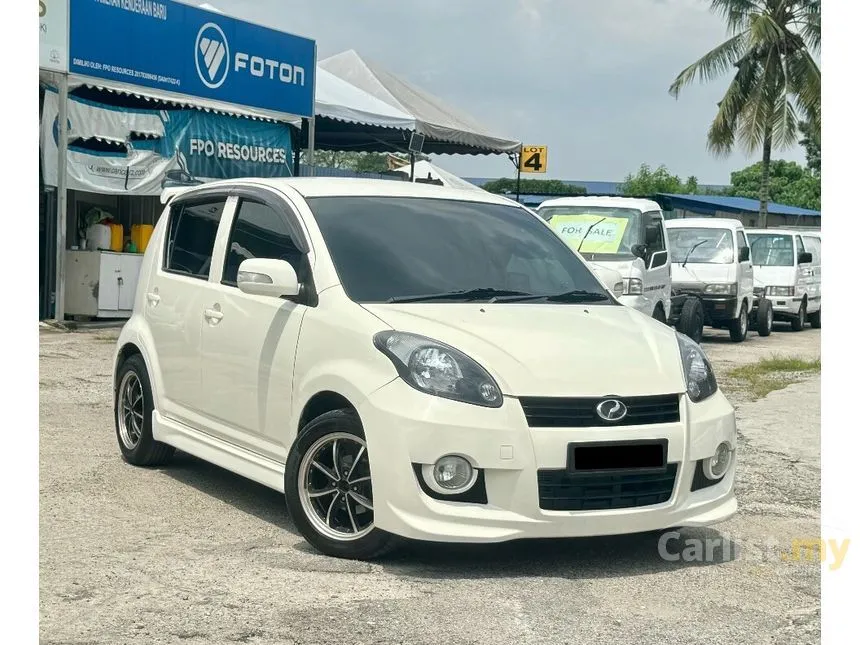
column 785, row 307
column 405, row 427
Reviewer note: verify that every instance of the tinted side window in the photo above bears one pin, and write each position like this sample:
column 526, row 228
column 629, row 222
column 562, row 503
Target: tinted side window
column 191, row 237
column 259, row 231
column 654, row 219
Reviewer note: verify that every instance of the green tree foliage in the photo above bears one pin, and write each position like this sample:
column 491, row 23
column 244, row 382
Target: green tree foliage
column 811, row 142
column 532, row 187
column 776, row 82
column 790, row 183
column 647, row 182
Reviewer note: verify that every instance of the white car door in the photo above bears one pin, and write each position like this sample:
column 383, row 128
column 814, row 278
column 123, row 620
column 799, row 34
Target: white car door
column 174, row 293
column 812, row 244
column 745, row 271
column 248, row 342
column 804, row 273
column 657, row 285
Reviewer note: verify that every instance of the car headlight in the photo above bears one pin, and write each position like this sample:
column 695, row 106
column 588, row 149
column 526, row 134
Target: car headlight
column 438, row 369
column 701, row 382
column 780, row 291
column 722, row 289
column 632, row 287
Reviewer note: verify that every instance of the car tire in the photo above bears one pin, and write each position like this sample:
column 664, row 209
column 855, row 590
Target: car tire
column 764, row 317
column 815, row 320
column 799, row 321
column 692, row 319
column 739, row 326
column 328, row 505
column 133, row 408
column 659, row 314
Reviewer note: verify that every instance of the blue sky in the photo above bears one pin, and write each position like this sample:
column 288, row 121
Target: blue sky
column 588, row 78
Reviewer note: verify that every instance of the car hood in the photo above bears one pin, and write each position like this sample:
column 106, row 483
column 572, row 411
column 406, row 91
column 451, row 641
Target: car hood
column 774, row 276
column 702, row 273
column 552, row 350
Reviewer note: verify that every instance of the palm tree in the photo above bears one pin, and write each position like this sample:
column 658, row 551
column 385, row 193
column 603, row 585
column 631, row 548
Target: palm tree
column 776, row 83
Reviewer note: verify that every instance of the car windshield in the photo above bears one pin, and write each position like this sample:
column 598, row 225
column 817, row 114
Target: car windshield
column 771, row 249
column 606, row 231
column 403, row 248
column 701, row 245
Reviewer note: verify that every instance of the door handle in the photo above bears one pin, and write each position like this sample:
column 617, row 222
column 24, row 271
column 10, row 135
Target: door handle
column 213, row 315
column 153, row 299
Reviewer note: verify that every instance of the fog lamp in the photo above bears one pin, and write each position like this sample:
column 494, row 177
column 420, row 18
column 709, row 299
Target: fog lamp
column 453, row 474
column 716, row 466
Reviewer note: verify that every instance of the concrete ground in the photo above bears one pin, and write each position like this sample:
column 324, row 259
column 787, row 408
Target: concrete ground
column 193, row 554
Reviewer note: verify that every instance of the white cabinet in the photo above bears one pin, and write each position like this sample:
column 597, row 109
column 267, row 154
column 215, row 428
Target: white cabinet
column 101, row 284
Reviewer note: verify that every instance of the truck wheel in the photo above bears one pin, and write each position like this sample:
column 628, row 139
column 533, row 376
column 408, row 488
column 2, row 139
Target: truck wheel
column 738, row 326
column 764, row 318
column 815, row 319
column 692, row 320
column 799, row 321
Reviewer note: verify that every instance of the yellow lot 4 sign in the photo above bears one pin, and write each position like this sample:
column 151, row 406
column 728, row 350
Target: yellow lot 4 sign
column 533, row 159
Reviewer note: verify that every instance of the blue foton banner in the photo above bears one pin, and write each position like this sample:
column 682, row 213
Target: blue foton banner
column 170, row 46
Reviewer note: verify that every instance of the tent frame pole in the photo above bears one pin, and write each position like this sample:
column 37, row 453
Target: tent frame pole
column 62, row 197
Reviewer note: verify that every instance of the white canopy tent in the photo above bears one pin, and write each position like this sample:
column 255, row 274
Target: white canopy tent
column 339, row 100
column 448, row 130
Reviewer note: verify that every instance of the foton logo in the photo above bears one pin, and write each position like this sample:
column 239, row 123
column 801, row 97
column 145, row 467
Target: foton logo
column 212, row 56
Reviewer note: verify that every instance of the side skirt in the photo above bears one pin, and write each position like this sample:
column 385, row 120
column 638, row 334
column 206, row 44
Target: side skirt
column 237, row 460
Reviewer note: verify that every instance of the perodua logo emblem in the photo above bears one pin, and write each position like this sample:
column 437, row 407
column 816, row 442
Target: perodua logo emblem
column 212, row 55
column 611, row 410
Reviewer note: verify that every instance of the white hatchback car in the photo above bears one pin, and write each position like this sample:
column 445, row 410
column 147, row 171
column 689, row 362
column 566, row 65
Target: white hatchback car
column 415, row 361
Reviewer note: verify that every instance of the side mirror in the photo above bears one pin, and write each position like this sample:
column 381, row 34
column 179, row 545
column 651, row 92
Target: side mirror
column 659, row 259
column 804, row 258
column 652, row 235
column 744, row 254
column 264, row 277
column 639, row 250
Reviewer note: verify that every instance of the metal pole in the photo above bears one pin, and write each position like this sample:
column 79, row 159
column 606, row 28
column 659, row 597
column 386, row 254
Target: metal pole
column 62, row 199
column 412, row 166
column 518, row 178
column 312, row 128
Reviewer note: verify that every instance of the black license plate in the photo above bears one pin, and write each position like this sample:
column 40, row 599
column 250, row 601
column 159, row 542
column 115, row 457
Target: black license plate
column 617, row 456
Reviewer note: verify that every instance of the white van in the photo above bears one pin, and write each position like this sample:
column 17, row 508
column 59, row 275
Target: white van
column 788, row 273
column 620, row 233
column 711, row 261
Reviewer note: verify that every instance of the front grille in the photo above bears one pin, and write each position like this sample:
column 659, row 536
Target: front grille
column 553, row 412
column 563, row 491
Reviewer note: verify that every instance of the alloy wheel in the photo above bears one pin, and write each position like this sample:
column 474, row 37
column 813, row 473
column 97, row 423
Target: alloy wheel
column 334, row 487
column 130, row 410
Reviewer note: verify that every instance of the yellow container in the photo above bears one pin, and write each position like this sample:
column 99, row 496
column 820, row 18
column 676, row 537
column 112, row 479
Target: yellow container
column 117, row 235
column 140, row 234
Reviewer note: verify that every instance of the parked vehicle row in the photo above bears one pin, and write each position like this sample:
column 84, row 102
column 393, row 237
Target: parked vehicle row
column 423, row 362
column 694, row 272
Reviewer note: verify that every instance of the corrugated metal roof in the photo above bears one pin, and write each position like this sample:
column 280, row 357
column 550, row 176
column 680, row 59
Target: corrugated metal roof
column 737, row 205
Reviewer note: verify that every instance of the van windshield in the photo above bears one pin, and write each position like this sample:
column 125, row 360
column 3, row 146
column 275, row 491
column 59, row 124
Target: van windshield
column 613, row 231
column 701, row 245
column 771, row 249
column 409, row 249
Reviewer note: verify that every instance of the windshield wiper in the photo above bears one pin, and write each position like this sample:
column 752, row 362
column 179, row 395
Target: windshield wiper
column 578, row 295
column 690, row 252
column 464, row 294
column 587, row 231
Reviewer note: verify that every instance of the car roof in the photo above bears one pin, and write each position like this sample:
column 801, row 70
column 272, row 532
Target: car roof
column 310, row 187
column 705, row 222
column 777, row 231
column 643, row 205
